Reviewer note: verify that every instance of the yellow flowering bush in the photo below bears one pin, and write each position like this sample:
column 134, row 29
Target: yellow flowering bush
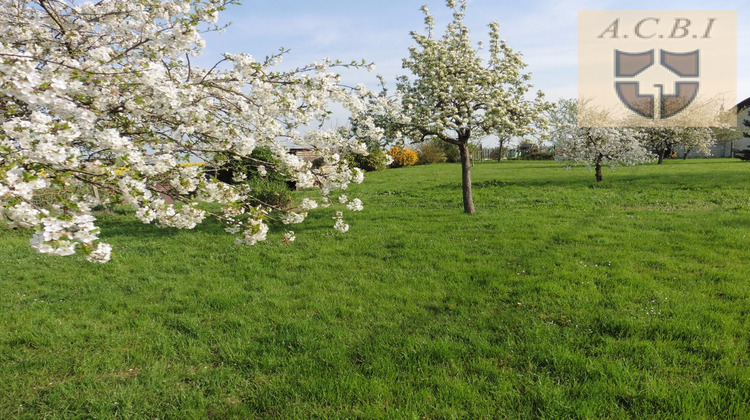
column 403, row 157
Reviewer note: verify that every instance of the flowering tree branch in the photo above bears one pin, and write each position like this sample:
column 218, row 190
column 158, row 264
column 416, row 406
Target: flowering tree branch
column 104, row 95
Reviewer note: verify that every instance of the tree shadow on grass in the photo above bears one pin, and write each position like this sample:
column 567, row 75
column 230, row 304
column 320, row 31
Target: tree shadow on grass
column 683, row 181
column 127, row 226
column 725, row 177
column 524, row 165
column 496, row 183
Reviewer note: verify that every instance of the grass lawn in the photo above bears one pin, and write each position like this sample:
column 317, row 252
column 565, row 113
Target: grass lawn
column 559, row 299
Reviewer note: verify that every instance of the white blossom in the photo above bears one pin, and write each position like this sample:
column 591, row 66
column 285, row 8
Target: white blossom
column 254, row 234
column 101, row 254
column 358, row 175
column 308, row 204
column 355, row 205
column 341, row 226
column 305, row 180
column 293, row 218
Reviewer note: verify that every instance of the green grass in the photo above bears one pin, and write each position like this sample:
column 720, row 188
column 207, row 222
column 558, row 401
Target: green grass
column 559, row 299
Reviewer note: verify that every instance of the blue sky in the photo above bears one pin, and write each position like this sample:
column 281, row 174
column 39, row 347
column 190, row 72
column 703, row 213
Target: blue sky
column 544, row 31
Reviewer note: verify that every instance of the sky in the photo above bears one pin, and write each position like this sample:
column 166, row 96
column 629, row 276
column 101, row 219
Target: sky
column 543, row 31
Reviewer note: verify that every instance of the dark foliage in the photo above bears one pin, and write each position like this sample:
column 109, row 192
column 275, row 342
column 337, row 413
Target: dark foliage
column 272, row 189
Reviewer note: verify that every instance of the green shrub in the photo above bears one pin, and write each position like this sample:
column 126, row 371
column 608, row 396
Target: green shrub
column 263, row 154
column 375, row 161
column 430, row 152
column 268, row 192
column 540, row 156
column 272, row 189
column 451, row 151
column 742, row 154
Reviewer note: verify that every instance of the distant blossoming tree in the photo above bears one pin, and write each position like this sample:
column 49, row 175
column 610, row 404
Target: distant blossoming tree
column 664, row 141
column 593, row 146
column 685, row 130
column 454, row 97
column 99, row 102
column 699, row 139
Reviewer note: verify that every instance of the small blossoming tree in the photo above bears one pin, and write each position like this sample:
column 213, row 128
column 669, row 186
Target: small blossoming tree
column 454, row 97
column 686, row 130
column 590, row 145
column 699, row 139
column 665, row 140
column 99, row 103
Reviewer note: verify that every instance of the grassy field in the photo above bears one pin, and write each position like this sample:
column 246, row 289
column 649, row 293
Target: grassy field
column 559, row 299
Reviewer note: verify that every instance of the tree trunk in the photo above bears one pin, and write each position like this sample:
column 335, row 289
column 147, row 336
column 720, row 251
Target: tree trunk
column 463, row 148
column 687, row 152
column 661, row 156
column 500, row 151
column 598, row 171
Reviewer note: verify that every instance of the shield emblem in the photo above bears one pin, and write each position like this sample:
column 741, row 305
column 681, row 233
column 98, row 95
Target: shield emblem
column 630, row 65
column 630, row 95
column 683, row 65
column 685, row 93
